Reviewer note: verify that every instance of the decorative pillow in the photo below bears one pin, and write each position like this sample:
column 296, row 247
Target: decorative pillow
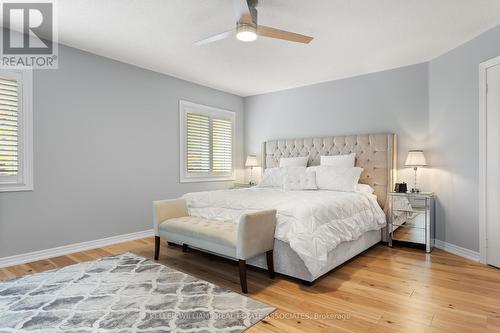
column 338, row 160
column 305, row 180
column 338, row 178
column 273, row 177
column 364, row 188
column 294, row 161
column 313, row 168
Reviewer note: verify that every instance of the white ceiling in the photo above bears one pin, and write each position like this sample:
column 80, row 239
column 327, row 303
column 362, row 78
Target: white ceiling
column 352, row 37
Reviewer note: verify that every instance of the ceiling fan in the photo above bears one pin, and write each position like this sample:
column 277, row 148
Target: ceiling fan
column 247, row 28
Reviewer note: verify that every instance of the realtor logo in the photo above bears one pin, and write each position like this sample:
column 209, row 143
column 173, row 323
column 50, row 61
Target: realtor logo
column 28, row 35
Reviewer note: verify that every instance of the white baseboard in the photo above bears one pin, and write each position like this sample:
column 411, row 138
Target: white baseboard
column 84, row 246
column 459, row 251
column 72, row 248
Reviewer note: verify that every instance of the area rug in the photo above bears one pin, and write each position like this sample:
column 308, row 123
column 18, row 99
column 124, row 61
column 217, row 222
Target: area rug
column 124, row 293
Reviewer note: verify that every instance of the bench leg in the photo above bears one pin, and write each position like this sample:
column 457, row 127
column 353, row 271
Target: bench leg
column 184, row 247
column 243, row 275
column 157, row 247
column 306, row 283
column 270, row 264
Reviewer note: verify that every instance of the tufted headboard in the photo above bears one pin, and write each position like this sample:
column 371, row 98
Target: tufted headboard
column 375, row 153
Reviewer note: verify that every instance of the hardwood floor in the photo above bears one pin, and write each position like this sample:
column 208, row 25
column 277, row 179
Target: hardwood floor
column 381, row 290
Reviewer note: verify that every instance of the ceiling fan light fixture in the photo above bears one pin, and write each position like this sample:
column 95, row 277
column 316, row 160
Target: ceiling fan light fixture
column 247, row 28
column 246, row 33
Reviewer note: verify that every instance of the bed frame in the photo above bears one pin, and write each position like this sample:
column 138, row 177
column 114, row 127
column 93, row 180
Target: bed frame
column 375, row 153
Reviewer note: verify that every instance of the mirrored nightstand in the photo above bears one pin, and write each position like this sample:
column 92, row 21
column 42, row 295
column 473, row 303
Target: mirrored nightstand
column 411, row 219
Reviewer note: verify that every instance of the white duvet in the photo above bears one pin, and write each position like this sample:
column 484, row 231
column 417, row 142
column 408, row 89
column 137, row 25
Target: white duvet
column 312, row 222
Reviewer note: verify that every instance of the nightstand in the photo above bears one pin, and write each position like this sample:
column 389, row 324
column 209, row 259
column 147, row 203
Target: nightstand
column 411, row 219
column 242, row 185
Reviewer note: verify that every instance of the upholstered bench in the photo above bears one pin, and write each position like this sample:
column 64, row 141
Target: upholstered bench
column 251, row 236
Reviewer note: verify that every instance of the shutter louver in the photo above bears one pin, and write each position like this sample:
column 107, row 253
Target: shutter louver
column 198, row 143
column 9, row 162
column 222, row 145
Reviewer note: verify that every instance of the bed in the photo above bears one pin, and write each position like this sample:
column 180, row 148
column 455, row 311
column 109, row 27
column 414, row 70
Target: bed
column 316, row 230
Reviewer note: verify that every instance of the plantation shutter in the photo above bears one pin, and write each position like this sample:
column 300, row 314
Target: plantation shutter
column 9, row 162
column 198, row 142
column 207, row 135
column 222, row 145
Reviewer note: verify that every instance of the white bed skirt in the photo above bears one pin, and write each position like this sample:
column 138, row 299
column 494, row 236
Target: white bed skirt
column 287, row 262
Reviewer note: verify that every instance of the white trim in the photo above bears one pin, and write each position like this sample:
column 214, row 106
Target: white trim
column 210, row 111
column 72, row 248
column 24, row 181
column 457, row 250
column 483, row 67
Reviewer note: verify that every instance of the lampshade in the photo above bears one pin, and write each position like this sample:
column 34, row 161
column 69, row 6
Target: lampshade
column 251, row 161
column 416, row 158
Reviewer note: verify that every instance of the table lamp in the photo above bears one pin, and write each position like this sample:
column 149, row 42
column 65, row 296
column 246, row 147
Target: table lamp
column 415, row 159
column 251, row 163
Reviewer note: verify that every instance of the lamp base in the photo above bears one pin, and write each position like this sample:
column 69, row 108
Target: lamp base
column 415, row 189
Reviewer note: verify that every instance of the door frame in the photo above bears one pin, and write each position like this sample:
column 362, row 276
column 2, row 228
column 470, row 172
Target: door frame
column 483, row 68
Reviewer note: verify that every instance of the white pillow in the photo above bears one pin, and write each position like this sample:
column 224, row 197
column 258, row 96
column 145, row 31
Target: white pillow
column 364, row 188
column 313, row 168
column 338, row 178
column 305, row 180
column 273, row 177
column 294, row 161
column 338, row 160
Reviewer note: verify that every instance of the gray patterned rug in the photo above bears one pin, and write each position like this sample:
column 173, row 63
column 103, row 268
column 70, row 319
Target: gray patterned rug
column 124, row 293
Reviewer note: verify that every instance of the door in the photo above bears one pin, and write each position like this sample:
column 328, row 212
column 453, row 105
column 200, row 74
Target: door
column 493, row 166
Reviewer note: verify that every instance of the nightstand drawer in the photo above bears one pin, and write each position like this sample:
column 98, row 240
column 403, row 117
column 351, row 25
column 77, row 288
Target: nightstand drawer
column 409, row 234
column 409, row 219
column 417, row 203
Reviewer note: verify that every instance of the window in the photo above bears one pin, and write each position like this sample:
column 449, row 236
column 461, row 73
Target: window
column 207, row 143
column 16, row 130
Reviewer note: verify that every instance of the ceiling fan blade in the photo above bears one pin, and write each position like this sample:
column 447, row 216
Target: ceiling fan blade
column 215, row 38
column 242, row 12
column 262, row 30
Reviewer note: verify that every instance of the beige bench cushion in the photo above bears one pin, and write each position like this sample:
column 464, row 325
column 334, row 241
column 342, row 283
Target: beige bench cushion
column 252, row 235
column 220, row 234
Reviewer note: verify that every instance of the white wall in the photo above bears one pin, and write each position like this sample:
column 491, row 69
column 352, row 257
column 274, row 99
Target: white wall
column 454, row 137
column 394, row 101
column 106, row 144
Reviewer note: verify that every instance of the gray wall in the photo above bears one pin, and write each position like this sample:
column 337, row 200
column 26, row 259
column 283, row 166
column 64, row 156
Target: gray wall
column 432, row 105
column 106, row 143
column 394, row 101
column 454, row 133
column 106, row 140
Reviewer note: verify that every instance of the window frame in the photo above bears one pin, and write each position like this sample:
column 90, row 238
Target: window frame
column 23, row 181
column 190, row 177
